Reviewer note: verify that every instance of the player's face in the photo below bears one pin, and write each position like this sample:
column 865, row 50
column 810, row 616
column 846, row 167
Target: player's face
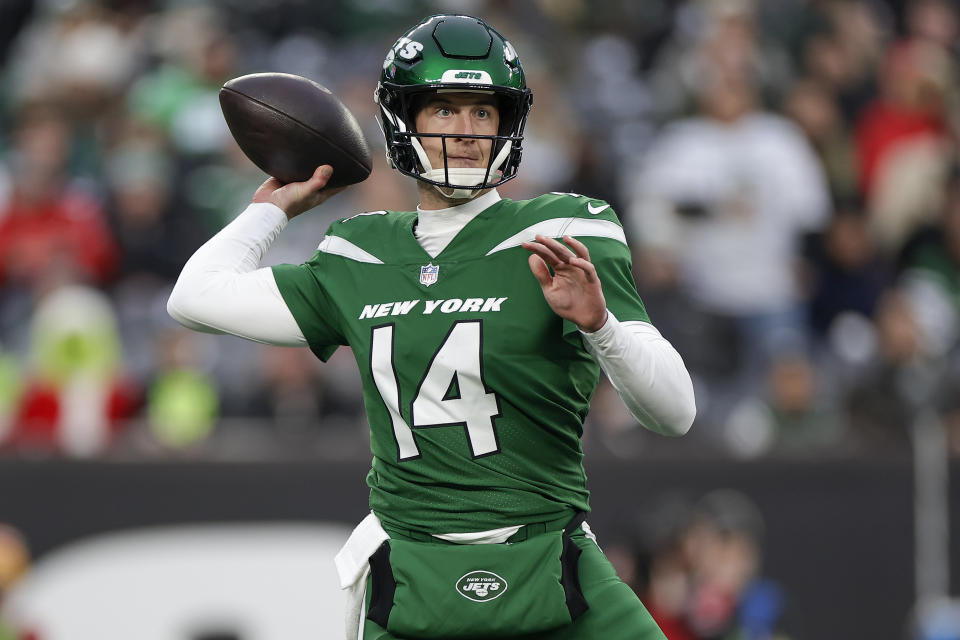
column 459, row 113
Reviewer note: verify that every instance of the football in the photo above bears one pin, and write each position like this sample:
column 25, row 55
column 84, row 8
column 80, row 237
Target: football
column 289, row 125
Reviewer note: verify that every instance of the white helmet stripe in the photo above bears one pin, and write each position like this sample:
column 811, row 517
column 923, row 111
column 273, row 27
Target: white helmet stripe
column 399, row 123
column 424, row 160
column 393, row 118
column 502, row 156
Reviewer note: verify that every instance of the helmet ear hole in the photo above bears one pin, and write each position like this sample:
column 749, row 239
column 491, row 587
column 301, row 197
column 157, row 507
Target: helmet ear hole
column 404, row 156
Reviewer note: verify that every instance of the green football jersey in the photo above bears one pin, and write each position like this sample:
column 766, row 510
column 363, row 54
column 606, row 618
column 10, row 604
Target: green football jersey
column 475, row 390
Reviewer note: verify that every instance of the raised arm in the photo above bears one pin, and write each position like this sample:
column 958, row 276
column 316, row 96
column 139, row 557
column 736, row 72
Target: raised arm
column 222, row 288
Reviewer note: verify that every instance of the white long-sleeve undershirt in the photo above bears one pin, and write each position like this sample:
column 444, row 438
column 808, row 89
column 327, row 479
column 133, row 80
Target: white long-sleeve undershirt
column 223, row 289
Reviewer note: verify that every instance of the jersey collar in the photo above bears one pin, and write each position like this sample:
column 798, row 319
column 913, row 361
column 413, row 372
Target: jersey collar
column 458, row 216
column 437, row 228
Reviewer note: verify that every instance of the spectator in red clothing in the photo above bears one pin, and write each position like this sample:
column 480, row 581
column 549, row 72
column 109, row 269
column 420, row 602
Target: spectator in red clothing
column 77, row 394
column 913, row 82
column 903, row 140
column 50, row 229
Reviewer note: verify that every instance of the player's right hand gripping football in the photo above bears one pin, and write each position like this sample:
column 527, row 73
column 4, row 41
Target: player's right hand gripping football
column 296, row 197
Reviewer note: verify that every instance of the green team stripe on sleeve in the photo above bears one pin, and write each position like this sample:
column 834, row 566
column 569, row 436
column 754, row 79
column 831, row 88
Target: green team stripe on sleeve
column 311, row 308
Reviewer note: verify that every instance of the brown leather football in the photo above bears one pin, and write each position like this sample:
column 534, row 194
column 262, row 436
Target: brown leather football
column 289, row 125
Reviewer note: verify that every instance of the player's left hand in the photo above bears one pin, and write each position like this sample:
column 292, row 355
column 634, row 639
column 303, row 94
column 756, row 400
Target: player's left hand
column 572, row 289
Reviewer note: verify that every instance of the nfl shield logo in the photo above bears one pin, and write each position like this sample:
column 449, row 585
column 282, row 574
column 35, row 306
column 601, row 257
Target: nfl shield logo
column 428, row 274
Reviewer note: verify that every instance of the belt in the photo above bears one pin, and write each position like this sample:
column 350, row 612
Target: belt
column 525, row 532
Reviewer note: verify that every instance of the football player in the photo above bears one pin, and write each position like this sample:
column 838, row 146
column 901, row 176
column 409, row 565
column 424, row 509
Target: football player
column 480, row 326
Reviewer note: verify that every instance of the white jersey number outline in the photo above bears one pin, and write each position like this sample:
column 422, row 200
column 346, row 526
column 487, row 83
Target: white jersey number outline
column 452, row 391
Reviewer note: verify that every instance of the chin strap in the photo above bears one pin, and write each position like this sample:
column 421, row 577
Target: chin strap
column 457, row 176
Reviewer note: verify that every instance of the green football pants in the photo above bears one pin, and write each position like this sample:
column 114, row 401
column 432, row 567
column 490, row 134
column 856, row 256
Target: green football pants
column 615, row 612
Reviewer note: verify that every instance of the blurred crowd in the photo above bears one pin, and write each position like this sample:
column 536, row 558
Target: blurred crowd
column 697, row 564
column 786, row 171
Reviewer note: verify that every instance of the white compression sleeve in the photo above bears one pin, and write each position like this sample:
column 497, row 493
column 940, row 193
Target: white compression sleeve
column 222, row 288
column 647, row 372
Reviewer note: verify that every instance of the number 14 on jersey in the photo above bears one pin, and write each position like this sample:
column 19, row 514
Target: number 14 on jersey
column 452, row 391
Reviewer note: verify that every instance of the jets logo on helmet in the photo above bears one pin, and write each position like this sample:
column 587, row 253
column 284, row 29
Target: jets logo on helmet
column 406, row 48
column 459, row 53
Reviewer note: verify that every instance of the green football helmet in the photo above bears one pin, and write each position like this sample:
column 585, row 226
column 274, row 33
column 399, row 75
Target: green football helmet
column 452, row 53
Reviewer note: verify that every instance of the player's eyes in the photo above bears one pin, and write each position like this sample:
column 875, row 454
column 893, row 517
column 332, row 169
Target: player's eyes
column 443, row 112
column 483, row 113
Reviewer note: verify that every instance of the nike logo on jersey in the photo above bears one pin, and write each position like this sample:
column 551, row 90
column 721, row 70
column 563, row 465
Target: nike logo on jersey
column 451, row 305
column 595, row 210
